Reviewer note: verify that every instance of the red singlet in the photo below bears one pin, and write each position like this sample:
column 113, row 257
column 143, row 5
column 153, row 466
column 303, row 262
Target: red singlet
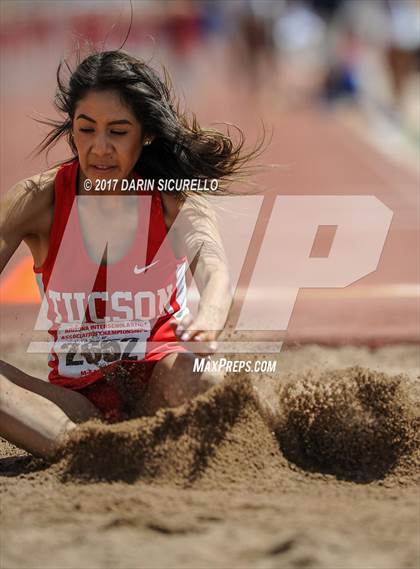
column 101, row 315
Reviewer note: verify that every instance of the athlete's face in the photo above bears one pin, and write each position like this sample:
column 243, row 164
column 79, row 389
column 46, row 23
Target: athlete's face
column 107, row 135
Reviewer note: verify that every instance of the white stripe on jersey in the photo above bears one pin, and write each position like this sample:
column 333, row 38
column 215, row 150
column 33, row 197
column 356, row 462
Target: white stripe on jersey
column 181, row 292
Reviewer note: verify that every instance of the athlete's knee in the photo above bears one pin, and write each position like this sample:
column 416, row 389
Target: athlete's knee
column 211, row 378
column 180, row 379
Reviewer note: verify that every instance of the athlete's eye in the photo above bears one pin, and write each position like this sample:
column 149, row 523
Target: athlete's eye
column 86, row 129
column 119, row 132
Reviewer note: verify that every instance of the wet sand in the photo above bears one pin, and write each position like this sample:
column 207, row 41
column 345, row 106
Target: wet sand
column 314, row 466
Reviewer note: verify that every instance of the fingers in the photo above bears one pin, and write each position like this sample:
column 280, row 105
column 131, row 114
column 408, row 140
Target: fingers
column 185, row 328
column 189, row 331
column 208, row 343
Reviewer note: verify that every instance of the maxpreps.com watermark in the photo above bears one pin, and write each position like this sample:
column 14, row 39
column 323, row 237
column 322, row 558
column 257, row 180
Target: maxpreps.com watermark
column 224, row 365
column 147, row 185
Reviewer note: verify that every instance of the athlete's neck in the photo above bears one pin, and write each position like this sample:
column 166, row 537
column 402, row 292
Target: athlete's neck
column 115, row 202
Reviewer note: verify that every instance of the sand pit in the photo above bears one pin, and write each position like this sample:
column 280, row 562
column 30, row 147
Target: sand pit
column 328, row 478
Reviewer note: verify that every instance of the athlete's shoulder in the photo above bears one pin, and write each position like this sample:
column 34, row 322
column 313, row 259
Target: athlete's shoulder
column 28, row 200
column 44, row 179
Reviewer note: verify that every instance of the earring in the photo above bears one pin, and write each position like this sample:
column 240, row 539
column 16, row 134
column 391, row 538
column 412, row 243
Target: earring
column 147, row 142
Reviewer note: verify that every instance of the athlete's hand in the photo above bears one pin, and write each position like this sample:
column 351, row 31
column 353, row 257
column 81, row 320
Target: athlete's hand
column 195, row 330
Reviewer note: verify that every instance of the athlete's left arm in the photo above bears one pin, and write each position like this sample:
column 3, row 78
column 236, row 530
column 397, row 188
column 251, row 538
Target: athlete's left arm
column 194, row 232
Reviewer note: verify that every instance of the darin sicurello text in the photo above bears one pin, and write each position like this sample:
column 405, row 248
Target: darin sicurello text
column 170, row 185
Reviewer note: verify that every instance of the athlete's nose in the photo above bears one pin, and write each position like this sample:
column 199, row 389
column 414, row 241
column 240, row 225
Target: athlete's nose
column 101, row 146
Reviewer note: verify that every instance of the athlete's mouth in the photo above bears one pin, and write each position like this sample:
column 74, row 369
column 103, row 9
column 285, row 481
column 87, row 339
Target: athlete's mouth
column 102, row 168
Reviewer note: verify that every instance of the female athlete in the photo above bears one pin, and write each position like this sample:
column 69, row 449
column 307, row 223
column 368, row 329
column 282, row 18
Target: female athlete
column 111, row 264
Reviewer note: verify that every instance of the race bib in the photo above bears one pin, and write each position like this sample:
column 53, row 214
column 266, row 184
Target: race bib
column 84, row 349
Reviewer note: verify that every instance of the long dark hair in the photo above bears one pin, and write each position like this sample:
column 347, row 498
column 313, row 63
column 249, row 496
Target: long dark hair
column 180, row 149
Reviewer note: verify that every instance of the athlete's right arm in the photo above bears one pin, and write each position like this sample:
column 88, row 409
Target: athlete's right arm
column 24, row 214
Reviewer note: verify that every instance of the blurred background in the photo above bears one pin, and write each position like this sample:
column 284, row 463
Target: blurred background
column 335, row 83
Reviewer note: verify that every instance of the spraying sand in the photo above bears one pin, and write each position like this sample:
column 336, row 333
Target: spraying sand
column 354, row 423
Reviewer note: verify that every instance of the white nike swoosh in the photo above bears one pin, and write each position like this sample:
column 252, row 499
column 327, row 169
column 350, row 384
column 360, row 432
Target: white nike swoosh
column 138, row 271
